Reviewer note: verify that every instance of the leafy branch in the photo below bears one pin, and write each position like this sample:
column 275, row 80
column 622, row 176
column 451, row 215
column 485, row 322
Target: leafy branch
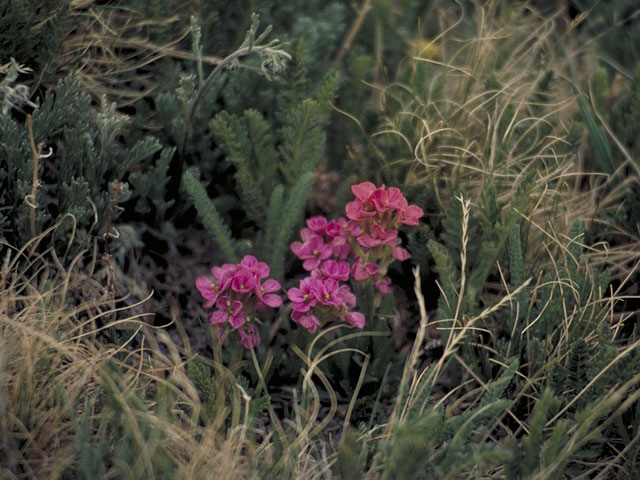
column 274, row 61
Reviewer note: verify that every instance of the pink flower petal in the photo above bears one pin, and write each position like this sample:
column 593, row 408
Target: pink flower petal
column 272, row 300
column 310, row 322
column 410, row 215
column 311, row 264
column 317, row 224
column 383, row 285
column 243, row 281
column 236, row 321
column 259, row 269
column 355, row 318
column 249, row 337
column 400, row 253
column 358, row 272
column 301, row 306
column 296, row 247
column 371, row 268
column 271, row 285
column 364, row 190
column 218, row 317
column 396, row 199
column 296, row 294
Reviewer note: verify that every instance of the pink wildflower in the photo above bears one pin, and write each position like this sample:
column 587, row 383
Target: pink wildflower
column 348, row 298
column 363, row 191
column 355, row 318
column 410, row 215
column 259, row 269
column 383, row 285
column 224, row 275
column 208, row 289
column 400, row 253
column 312, row 251
column 243, row 281
column 360, row 272
column 317, row 225
column 327, row 292
column 391, row 199
column 236, row 293
column 336, row 270
column 270, row 300
column 310, row 322
column 249, row 336
column 334, row 227
column 358, row 210
column 303, row 298
column 228, row 311
column 377, row 236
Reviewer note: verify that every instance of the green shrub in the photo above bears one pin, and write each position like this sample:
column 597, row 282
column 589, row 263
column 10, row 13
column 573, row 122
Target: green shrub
column 82, row 168
column 32, row 31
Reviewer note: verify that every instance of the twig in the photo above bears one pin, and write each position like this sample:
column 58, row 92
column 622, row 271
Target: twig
column 34, row 184
column 353, row 31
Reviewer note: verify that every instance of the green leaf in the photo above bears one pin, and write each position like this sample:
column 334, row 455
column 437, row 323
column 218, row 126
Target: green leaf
column 596, row 138
column 210, row 217
column 291, row 215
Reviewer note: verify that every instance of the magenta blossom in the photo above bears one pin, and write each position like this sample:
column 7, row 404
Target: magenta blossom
column 391, row 199
column 355, row 318
column 336, row 270
column 377, row 236
column 364, row 190
column 357, row 210
column 259, row 269
column 360, row 272
column 236, row 293
column 224, row 275
column 348, row 298
column 269, row 300
column 361, row 248
column 303, row 298
column 400, row 253
column 383, row 285
column 317, row 225
column 327, row 292
column 312, row 251
column 243, row 281
column 410, row 215
column 209, row 290
column 310, row 322
column 335, row 228
column 249, row 336
column 228, row 311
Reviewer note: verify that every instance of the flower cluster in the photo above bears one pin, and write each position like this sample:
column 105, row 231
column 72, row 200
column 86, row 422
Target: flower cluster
column 375, row 215
column 361, row 248
column 235, row 292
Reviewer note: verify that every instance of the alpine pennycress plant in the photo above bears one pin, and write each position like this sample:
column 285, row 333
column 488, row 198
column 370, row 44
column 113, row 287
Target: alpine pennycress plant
column 333, row 252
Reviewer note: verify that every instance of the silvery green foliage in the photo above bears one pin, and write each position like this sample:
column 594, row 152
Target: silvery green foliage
column 32, row 31
column 12, row 94
column 82, row 175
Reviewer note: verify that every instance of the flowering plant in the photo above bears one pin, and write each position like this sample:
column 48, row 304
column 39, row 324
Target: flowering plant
column 361, row 248
column 235, row 293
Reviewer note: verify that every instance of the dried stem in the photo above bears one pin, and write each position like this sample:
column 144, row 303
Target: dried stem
column 34, row 184
column 353, row 31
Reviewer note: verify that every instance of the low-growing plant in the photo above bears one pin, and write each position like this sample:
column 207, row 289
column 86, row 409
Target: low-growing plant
column 66, row 163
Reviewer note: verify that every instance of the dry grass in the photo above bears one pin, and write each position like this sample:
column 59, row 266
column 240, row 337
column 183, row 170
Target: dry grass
column 63, row 370
column 498, row 105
